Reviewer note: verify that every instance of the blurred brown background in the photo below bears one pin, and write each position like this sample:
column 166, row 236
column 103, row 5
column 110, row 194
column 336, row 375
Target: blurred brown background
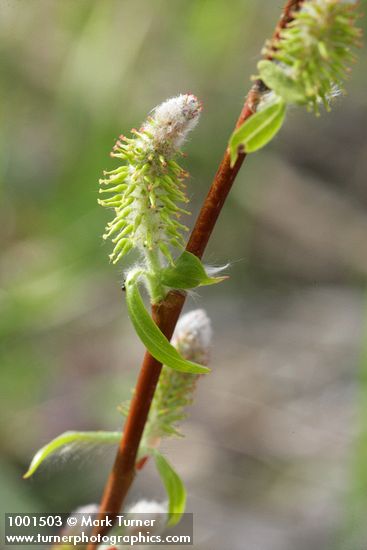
column 275, row 456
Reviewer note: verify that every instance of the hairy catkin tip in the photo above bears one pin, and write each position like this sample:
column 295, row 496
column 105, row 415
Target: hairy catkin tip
column 86, row 511
column 193, row 336
column 174, row 119
column 146, row 190
column 144, row 510
column 148, row 507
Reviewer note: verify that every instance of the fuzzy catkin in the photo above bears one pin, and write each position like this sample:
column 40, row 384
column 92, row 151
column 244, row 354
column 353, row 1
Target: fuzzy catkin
column 314, row 49
column 174, row 393
column 148, row 188
column 155, row 512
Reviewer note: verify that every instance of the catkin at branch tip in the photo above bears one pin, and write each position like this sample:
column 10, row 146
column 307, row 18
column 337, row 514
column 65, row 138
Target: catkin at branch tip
column 147, row 189
column 314, row 49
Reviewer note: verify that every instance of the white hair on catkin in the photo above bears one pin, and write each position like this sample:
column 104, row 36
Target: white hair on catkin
column 147, row 190
column 194, row 326
column 173, row 119
column 155, row 512
column 193, row 335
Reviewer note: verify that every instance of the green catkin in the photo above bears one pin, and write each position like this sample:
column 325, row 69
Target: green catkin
column 147, row 187
column 314, row 49
column 306, row 63
column 175, row 389
column 174, row 393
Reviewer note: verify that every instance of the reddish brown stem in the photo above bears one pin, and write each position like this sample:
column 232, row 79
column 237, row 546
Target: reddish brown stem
column 167, row 313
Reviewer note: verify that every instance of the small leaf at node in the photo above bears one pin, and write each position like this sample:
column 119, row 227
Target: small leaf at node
column 258, row 130
column 188, row 272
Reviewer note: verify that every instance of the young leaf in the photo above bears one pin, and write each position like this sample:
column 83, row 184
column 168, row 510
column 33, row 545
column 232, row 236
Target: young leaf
column 175, row 488
column 188, row 272
column 275, row 78
column 258, row 130
column 151, row 336
column 68, row 438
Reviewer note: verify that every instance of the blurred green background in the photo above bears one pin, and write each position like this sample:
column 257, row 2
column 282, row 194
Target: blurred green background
column 276, row 452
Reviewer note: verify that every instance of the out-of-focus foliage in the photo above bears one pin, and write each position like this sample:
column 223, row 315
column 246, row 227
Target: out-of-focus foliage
column 74, row 76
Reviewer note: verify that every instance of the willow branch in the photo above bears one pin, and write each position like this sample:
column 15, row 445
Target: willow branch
column 167, row 313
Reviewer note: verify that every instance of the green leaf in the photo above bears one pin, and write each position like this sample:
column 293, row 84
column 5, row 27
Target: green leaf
column 258, row 130
column 151, row 336
column 68, row 438
column 276, row 79
column 188, row 272
column 175, row 488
